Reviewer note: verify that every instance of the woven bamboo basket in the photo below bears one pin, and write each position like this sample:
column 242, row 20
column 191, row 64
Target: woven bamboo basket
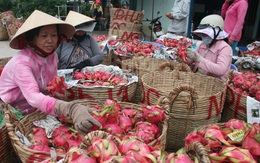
column 119, row 93
column 195, row 100
column 141, row 66
column 3, row 33
column 3, row 61
column 7, row 153
column 245, row 66
column 196, row 149
column 163, row 102
column 235, row 103
column 25, row 126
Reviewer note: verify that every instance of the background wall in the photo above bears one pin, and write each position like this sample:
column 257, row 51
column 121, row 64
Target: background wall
column 164, row 6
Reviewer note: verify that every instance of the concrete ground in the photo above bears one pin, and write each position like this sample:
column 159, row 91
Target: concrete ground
column 6, row 51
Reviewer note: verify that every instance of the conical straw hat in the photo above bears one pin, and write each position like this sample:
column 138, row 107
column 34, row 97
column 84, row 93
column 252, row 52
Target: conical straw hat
column 38, row 19
column 75, row 18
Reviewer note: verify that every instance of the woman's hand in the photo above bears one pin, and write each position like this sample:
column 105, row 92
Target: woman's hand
column 193, row 55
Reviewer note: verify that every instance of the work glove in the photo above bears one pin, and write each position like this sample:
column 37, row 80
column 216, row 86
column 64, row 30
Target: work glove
column 63, row 95
column 80, row 115
column 82, row 64
column 193, row 55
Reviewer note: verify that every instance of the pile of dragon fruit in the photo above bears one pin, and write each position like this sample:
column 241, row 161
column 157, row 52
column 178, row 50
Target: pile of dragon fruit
column 233, row 141
column 57, row 84
column 99, row 78
column 136, row 48
column 136, row 123
column 181, row 44
column 100, row 38
column 247, row 83
column 128, row 150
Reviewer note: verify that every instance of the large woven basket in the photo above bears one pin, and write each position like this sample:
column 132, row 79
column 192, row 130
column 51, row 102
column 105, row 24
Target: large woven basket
column 141, row 66
column 163, row 102
column 235, row 103
column 3, row 32
column 7, row 154
column 195, row 100
column 25, row 126
column 3, row 61
column 119, row 93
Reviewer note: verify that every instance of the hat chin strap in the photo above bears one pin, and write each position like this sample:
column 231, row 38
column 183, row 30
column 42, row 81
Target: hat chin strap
column 39, row 51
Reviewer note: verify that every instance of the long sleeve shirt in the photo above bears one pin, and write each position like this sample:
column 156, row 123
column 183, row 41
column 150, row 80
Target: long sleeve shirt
column 68, row 57
column 180, row 12
column 215, row 61
column 24, row 78
column 234, row 18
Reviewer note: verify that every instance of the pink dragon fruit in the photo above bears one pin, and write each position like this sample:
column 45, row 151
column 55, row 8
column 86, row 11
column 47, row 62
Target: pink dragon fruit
column 114, row 129
column 39, row 136
column 148, row 127
column 78, row 155
column 103, row 149
column 125, row 123
column 178, row 158
column 121, row 159
column 257, row 95
column 135, row 145
column 236, row 154
column 235, row 124
column 153, row 114
column 40, row 147
column 193, row 137
column 251, row 141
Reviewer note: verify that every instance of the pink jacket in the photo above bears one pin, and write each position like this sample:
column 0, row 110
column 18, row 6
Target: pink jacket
column 215, row 61
column 234, row 16
column 24, row 78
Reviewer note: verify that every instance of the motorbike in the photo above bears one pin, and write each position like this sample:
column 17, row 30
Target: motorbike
column 156, row 26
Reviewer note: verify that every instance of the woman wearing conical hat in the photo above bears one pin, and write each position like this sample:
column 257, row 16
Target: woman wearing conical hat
column 27, row 74
column 213, row 57
column 82, row 50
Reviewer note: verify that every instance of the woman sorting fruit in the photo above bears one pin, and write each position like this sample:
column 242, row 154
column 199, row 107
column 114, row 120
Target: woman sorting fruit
column 82, row 50
column 213, row 56
column 25, row 76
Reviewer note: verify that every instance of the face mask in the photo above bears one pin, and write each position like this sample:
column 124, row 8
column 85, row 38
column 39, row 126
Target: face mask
column 207, row 40
column 79, row 38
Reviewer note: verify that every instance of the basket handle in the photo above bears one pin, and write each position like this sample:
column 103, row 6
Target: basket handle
column 117, row 30
column 247, row 62
column 165, row 103
column 229, row 76
column 196, row 148
column 180, row 66
column 11, row 122
column 165, row 65
column 194, row 95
